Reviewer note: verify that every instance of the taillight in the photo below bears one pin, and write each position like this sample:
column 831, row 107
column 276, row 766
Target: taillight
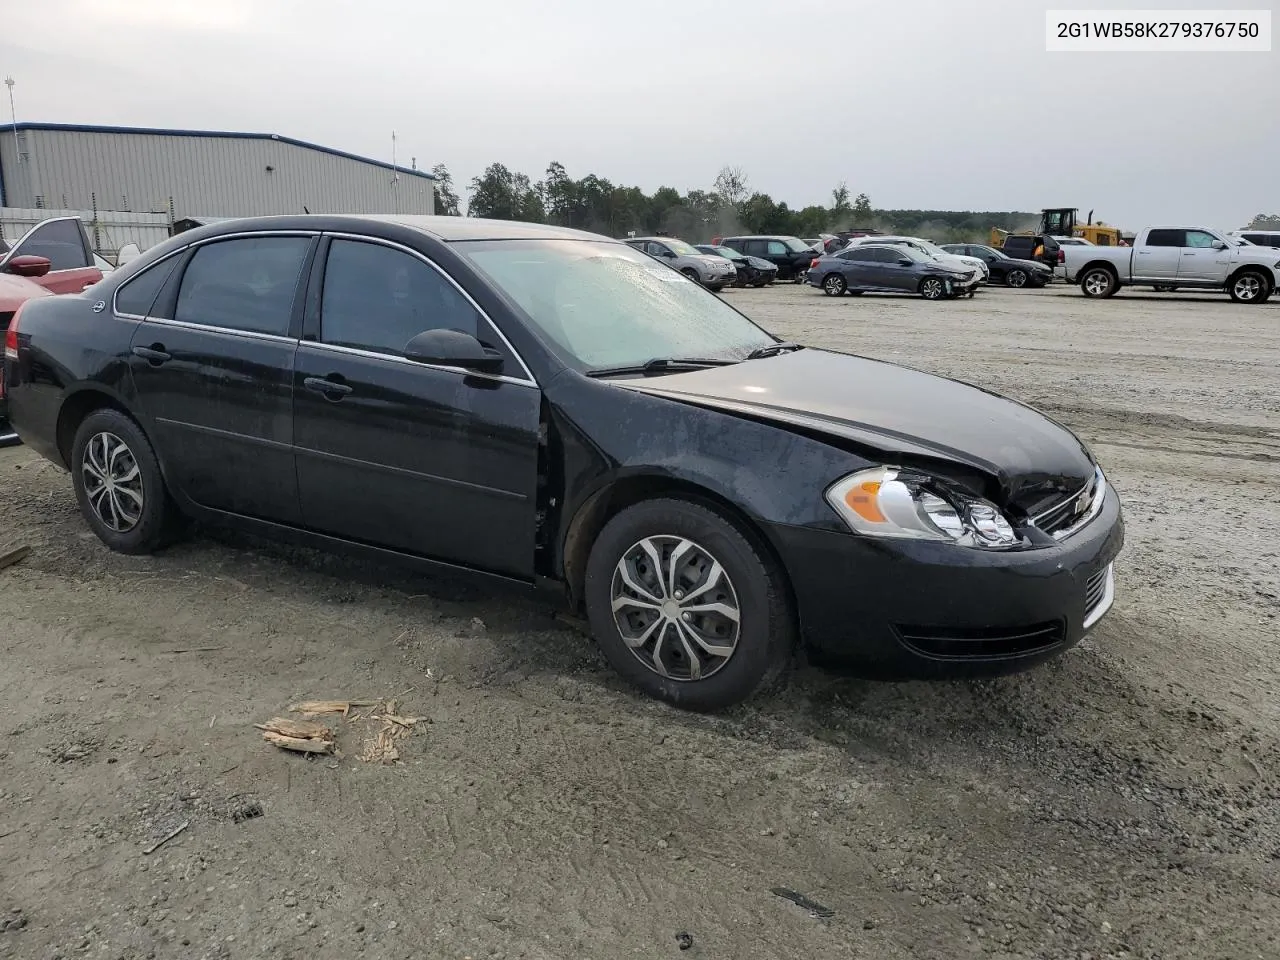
column 11, row 337
column 813, row 263
column 1062, row 255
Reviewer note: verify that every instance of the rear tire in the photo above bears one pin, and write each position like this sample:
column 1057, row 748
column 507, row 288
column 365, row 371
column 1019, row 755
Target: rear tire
column 834, row 285
column 1250, row 286
column 1099, row 282
column 698, row 548
column 118, row 484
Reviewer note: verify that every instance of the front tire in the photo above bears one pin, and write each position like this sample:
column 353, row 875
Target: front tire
column 931, row 288
column 834, row 285
column 1250, row 286
column 118, row 484
column 1016, row 278
column 685, row 607
column 691, row 275
column 1099, row 282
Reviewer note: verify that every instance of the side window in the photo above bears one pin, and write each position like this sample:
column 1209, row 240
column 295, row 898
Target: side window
column 655, row 249
column 1198, row 238
column 777, row 248
column 755, row 248
column 857, row 253
column 379, row 298
column 1165, row 238
column 60, row 241
column 243, row 284
column 136, row 297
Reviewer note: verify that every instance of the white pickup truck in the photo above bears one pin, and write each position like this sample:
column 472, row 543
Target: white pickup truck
column 1167, row 258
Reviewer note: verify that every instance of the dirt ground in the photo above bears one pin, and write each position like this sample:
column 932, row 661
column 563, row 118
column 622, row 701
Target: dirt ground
column 1123, row 801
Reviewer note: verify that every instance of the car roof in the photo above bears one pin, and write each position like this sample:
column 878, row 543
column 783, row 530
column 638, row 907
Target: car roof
column 762, row 236
column 447, row 229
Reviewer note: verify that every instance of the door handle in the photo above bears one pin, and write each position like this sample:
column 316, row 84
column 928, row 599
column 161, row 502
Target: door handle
column 332, row 389
column 1189, row 254
column 154, row 354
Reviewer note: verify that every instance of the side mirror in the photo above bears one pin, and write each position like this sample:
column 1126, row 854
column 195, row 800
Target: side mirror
column 904, row 261
column 668, row 254
column 1220, row 246
column 453, row 348
column 29, row 265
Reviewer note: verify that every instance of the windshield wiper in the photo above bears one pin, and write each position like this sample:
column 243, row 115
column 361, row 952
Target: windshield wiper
column 662, row 365
column 772, row 349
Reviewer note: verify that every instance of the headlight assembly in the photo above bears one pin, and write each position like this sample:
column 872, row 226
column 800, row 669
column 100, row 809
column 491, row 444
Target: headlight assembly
column 892, row 502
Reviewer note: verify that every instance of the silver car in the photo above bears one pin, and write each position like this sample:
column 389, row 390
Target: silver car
column 714, row 273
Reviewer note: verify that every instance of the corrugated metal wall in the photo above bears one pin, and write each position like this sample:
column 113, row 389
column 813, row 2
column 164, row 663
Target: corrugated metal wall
column 204, row 176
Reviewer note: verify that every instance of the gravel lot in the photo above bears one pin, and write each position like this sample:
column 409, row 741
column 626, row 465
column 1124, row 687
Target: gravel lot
column 1123, row 801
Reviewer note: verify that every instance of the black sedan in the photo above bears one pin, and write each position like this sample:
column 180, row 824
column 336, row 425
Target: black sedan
column 549, row 408
column 1005, row 269
column 752, row 271
column 886, row 268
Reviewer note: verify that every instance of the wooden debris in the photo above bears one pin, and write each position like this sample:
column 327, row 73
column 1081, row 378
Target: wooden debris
column 303, row 736
column 16, row 555
column 166, row 838
column 316, row 708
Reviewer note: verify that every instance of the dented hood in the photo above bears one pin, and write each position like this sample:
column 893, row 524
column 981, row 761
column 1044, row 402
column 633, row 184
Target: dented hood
column 895, row 412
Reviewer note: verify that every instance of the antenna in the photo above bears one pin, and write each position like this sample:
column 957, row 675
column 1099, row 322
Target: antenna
column 13, row 115
column 395, row 173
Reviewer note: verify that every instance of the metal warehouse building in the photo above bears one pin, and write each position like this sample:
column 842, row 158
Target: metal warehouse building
column 189, row 173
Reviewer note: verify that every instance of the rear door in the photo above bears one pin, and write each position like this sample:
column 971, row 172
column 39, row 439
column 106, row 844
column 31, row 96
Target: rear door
column 212, row 364
column 1157, row 259
column 859, row 271
column 63, row 243
column 432, row 461
column 1201, row 260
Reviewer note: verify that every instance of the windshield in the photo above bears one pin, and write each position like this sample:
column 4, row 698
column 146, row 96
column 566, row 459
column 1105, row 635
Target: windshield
column 607, row 305
column 909, row 251
column 681, row 249
column 796, row 245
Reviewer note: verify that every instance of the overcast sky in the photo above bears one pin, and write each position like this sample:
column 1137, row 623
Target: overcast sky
column 950, row 104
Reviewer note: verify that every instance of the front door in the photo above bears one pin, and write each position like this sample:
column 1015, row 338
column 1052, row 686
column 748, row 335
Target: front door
column 425, row 460
column 1158, row 258
column 1201, row 261
column 212, row 365
column 62, row 242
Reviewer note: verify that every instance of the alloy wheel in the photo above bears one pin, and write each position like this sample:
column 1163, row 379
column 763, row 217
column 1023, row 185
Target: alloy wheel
column 1097, row 283
column 675, row 607
column 931, row 289
column 1248, row 287
column 833, row 285
column 1016, row 279
column 112, row 482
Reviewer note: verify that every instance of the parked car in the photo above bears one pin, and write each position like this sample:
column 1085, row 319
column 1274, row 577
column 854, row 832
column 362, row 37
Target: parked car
column 928, row 248
column 549, row 408
column 790, row 255
column 751, row 271
column 885, row 268
column 1043, row 249
column 1194, row 258
column 63, row 242
column 1260, row 238
column 52, row 257
column 1002, row 268
column 714, row 273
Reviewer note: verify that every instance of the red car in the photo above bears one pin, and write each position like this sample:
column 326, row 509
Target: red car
column 52, row 257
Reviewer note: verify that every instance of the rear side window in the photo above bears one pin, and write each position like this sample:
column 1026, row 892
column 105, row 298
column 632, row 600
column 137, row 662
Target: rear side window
column 1263, row 239
column 1166, row 238
column 379, row 298
column 777, row 248
column 138, row 295
column 60, row 241
column 244, row 284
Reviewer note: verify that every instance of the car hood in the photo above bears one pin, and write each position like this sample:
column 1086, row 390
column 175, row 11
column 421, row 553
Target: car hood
column 711, row 260
column 895, row 412
column 759, row 264
column 15, row 291
column 1033, row 265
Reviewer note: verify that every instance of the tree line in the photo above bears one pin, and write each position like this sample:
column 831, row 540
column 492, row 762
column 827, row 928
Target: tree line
column 728, row 207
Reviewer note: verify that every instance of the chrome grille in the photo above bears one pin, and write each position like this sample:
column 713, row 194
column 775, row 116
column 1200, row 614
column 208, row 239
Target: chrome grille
column 1063, row 518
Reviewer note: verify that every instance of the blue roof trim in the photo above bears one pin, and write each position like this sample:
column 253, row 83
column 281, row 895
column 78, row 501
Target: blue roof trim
column 161, row 132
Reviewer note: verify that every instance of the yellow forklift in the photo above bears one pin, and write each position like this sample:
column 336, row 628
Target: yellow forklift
column 1061, row 222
